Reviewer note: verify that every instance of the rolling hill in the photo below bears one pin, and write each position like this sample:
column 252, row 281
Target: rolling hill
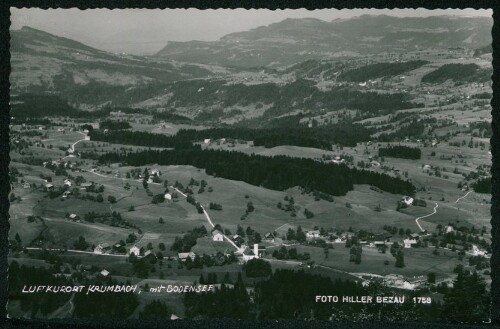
column 42, row 62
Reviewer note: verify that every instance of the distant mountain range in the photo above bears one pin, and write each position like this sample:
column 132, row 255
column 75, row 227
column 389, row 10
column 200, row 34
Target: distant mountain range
column 296, row 40
column 88, row 78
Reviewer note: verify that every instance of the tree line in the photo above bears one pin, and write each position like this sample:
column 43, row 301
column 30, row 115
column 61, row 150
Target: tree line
column 400, row 151
column 276, row 173
column 319, row 137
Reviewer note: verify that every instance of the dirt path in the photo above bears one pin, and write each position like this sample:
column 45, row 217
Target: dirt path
column 464, row 196
column 418, row 218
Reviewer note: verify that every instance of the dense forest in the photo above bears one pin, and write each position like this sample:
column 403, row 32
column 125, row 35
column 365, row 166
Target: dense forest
column 482, row 185
column 277, row 173
column 288, row 294
column 400, row 151
column 379, row 70
column 458, row 73
column 321, row 137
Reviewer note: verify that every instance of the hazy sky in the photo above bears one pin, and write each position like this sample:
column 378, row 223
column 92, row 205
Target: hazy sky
column 144, row 31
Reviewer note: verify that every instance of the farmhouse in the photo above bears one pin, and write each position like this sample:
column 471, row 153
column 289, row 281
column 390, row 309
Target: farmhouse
column 73, row 216
column 86, row 186
column 102, row 248
column 104, row 272
column 184, row 255
column 426, row 167
column 66, row 193
column 217, row 236
column 149, row 253
column 312, row 234
column 238, row 239
column 49, row 186
column 67, row 183
column 26, row 185
column 269, row 236
column 60, row 129
column 134, row 251
column 408, row 200
column 408, row 243
column 415, row 236
column 449, row 229
column 155, row 172
column 477, row 252
column 207, row 141
column 168, row 196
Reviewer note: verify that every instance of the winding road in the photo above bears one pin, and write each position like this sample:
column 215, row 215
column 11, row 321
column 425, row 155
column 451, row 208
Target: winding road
column 418, row 218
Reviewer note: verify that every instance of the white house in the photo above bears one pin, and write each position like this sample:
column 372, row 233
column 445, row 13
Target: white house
column 449, row 229
column 408, row 243
column 426, row 167
column 312, row 234
column 249, row 253
column 477, row 252
column 207, row 141
column 134, row 251
column 49, row 186
column 408, row 200
column 408, row 285
column 67, row 182
column 217, row 236
column 155, row 172
column 104, row 272
column 102, row 248
column 168, row 196
column 184, row 255
column 73, row 216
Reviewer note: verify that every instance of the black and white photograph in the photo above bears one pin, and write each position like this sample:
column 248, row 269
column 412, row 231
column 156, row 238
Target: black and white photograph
column 173, row 164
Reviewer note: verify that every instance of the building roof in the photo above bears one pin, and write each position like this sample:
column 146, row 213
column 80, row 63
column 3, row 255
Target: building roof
column 104, row 272
column 248, row 252
column 215, row 232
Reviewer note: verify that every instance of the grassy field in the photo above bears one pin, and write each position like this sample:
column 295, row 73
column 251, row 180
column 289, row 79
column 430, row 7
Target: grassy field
column 418, row 261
